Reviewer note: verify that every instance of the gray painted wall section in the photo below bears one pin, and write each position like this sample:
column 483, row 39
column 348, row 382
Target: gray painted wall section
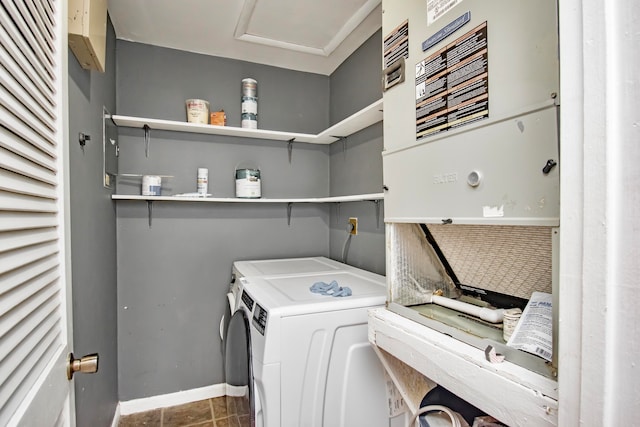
column 93, row 242
column 357, row 170
column 356, row 82
column 173, row 279
column 173, row 276
column 154, row 82
column 356, row 164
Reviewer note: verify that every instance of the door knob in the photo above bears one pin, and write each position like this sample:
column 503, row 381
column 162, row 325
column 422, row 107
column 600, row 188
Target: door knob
column 87, row 364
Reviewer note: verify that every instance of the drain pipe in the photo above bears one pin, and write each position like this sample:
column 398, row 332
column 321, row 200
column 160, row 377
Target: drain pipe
column 491, row 315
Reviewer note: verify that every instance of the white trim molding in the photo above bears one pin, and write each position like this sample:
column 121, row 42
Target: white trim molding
column 172, row 399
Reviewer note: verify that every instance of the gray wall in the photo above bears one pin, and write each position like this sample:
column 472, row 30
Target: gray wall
column 154, row 82
column 93, row 242
column 173, row 276
column 356, row 164
column 356, row 82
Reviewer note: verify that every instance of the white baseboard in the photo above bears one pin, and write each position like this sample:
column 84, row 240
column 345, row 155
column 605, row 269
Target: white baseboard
column 171, row 399
column 237, row 390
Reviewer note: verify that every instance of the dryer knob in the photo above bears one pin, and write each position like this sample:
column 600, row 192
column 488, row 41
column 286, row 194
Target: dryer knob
column 233, row 278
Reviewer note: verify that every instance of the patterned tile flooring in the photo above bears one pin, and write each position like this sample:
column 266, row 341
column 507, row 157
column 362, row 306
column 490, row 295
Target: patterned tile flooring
column 225, row 411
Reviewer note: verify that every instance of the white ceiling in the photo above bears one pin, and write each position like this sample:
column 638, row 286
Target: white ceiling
column 304, row 35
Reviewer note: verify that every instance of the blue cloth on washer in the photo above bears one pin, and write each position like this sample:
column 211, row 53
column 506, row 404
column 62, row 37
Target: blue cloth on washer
column 332, row 289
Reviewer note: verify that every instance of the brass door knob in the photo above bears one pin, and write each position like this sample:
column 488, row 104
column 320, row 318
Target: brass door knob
column 87, row 364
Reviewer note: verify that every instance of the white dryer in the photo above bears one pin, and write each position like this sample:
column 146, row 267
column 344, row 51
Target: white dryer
column 303, row 358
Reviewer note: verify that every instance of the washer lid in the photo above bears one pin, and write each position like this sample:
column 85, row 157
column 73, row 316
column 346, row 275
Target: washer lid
column 290, row 295
column 287, row 266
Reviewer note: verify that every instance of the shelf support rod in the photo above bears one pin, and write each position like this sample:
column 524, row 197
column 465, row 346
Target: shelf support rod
column 377, row 203
column 147, row 137
column 150, row 211
column 289, row 206
column 290, row 148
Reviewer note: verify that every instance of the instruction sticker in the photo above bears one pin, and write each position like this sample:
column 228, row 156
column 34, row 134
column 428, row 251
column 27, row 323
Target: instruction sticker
column 452, row 84
column 437, row 8
column 534, row 331
column 396, row 44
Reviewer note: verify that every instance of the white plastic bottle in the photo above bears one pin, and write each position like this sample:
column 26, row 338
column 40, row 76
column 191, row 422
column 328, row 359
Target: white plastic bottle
column 203, row 181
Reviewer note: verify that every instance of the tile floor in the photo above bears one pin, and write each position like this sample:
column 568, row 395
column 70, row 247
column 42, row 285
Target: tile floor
column 222, row 411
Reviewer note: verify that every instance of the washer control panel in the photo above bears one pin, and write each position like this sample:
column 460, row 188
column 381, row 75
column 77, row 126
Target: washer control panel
column 247, row 300
column 259, row 320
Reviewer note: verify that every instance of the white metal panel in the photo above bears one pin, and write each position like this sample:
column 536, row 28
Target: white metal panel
column 429, row 182
column 522, row 57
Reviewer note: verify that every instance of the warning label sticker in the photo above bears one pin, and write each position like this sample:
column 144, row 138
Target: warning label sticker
column 452, row 84
column 396, row 44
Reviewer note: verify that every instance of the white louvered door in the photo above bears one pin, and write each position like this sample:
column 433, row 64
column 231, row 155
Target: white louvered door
column 34, row 289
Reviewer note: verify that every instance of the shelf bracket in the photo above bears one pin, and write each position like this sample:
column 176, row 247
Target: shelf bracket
column 289, row 206
column 147, row 137
column 290, row 148
column 344, row 142
column 150, row 211
column 377, row 203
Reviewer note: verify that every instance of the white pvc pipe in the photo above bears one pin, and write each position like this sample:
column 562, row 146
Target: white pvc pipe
column 484, row 313
column 491, row 315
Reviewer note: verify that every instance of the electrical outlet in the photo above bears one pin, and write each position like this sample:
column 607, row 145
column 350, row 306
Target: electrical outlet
column 354, row 225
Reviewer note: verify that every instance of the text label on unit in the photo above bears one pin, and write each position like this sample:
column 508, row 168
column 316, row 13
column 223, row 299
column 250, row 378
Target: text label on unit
column 445, row 178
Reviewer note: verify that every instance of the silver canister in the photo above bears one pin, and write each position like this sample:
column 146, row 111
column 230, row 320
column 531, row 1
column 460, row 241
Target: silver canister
column 249, row 113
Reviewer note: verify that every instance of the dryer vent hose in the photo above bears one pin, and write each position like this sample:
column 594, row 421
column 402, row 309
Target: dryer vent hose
column 455, row 420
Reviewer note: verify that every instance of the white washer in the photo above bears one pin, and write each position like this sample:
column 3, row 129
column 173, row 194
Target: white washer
column 308, row 354
column 270, row 267
column 283, row 266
